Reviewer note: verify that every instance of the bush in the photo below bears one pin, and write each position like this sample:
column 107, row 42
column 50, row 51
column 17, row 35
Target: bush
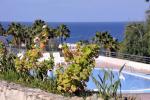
column 14, row 69
column 6, row 59
column 30, row 62
column 82, row 62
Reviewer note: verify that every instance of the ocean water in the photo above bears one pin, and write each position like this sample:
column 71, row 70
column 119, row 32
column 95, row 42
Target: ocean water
column 86, row 30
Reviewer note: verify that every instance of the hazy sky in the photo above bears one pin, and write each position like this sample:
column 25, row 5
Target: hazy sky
column 73, row 10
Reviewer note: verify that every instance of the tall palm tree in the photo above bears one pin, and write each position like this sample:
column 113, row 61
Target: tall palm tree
column 106, row 41
column 28, row 37
column 63, row 33
column 37, row 26
column 2, row 30
column 16, row 29
column 52, row 32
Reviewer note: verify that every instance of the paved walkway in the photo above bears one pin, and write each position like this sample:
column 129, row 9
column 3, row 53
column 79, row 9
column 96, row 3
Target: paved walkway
column 115, row 63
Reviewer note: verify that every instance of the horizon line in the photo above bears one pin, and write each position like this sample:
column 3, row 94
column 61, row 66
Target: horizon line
column 75, row 21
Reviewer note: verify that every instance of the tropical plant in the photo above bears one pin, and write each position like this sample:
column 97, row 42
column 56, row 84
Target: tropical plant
column 44, row 35
column 37, row 26
column 17, row 30
column 63, row 33
column 84, row 42
column 136, row 40
column 82, row 61
column 2, row 30
column 44, row 66
column 6, row 59
column 52, row 32
column 147, row 0
column 108, row 85
column 28, row 37
column 106, row 41
column 30, row 62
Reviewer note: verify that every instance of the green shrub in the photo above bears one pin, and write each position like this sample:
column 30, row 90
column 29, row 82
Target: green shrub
column 44, row 66
column 6, row 59
column 26, row 80
column 108, row 90
column 30, row 62
column 81, row 62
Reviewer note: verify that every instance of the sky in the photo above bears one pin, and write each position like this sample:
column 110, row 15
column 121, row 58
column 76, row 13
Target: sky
column 73, row 10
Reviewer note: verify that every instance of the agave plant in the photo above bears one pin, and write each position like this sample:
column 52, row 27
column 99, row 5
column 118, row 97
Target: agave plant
column 107, row 85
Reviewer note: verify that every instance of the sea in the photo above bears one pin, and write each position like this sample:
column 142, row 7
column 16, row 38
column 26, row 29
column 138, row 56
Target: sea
column 86, row 30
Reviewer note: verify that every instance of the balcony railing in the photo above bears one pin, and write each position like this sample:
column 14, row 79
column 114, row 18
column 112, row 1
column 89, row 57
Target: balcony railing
column 142, row 59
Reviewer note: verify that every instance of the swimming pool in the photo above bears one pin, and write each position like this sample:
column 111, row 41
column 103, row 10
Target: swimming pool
column 132, row 82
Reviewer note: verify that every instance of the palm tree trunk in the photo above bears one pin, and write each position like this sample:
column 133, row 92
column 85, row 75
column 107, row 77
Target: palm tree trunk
column 61, row 40
column 25, row 42
column 19, row 44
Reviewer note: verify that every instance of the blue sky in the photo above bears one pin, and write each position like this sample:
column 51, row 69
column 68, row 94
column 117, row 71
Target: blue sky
column 73, row 10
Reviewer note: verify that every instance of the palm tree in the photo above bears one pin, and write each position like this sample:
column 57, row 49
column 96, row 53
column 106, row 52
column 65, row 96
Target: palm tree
column 37, row 26
column 63, row 33
column 16, row 29
column 52, row 32
column 106, row 41
column 2, row 30
column 28, row 37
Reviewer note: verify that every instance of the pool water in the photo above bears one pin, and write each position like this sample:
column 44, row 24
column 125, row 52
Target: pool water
column 131, row 83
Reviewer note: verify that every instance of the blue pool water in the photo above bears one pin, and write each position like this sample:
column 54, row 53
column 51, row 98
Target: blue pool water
column 132, row 82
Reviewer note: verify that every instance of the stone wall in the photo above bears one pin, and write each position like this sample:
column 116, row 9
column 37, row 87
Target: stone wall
column 11, row 91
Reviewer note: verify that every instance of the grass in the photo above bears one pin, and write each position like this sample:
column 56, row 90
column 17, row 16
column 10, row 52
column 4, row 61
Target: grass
column 46, row 85
column 28, row 81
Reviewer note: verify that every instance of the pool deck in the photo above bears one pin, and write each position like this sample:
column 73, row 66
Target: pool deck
column 138, row 96
column 115, row 63
column 131, row 66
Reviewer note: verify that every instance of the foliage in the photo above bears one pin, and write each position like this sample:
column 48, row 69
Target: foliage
column 17, row 30
column 25, row 80
column 44, row 66
column 106, row 41
column 44, row 35
column 108, row 85
column 37, row 26
column 2, row 49
column 16, row 70
column 136, row 40
column 30, row 62
column 62, row 32
column 2, row 30
column 81, row 61
column 84, row 42
column 147, row 0
column 28, row 37
column 26, row 34
column 6, row 59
